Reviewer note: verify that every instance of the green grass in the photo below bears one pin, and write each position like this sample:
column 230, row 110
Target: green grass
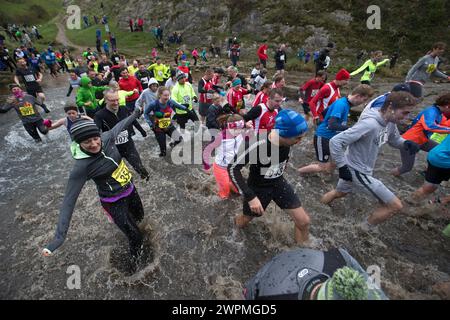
column 29, row 11
column 133, row 44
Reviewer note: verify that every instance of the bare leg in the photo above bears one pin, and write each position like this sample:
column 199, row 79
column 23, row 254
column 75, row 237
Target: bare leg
column 331, row 196
column 423, row 191
column 242, row 221
column 385, row 212
column 301, row 221
column 318, row 167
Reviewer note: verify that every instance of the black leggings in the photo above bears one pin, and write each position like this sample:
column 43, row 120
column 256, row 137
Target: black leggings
column 125, row 213
column 33, row 127
column 129, row 152
column 182, row 119
column 160, row 136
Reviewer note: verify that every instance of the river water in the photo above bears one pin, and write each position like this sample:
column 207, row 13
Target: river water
column 193, row 250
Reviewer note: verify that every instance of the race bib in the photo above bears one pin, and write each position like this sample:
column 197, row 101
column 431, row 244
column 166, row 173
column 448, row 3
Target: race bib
column 187, row 99
column 209, row 96
column 160, row 73
column 282, row 58
column 122, row 137
column 29, row 78
column 117, row 59
column 122, row 175
column 275, row 170
column 314, row 92
column 106, row 68
column 239, row 105
column 164, row 123
column 431, row 68
column 26, row 110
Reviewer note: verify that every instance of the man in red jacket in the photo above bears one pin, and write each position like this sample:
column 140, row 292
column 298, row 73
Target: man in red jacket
column 130, row 83
column 262, row 54
column 328, row 94
column 309, row 90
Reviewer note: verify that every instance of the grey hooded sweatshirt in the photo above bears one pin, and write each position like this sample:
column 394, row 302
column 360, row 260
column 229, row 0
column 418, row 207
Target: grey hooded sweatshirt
column 358, row 146
column 424, row 68
column 101, row 168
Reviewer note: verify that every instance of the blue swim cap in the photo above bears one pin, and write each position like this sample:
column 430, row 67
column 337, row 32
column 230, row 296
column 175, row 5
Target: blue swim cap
column 290, row 124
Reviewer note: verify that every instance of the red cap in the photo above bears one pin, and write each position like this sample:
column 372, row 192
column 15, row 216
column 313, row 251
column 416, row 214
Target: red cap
column 342, row 75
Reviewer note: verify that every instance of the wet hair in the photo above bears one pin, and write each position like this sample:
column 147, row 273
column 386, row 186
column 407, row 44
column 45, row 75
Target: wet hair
column 399, row 100
column 278, row 78
column 219, row 70
column 266, row 85
column 443, row 100
column 363, row 90
column 234, row 117
column 161, row 90
column 274, row 92
column 439, row 45
column 70, row 107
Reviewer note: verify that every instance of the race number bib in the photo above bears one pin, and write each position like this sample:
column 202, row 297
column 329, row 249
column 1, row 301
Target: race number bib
column 164, row 123
column 187, row 99
column 275, row 171
column 382, row 137
column 314, row 92
column 122, row 137
column 106, row 68
column 160, row 73
column 209, row 96
column 29, row 78
column 282, row 58
column 122, row 175
column 26, row 110
column 431, row 68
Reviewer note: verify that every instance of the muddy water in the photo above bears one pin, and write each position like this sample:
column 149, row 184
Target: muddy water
column 192, row 249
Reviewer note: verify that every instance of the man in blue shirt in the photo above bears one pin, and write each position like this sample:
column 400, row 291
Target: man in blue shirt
column 334, row 122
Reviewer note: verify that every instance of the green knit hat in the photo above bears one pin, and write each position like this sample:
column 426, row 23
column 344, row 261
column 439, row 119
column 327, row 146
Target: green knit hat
column 346, row 284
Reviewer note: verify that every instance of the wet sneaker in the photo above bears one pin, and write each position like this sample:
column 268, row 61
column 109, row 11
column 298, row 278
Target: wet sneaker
column 162, row 154
column 38, row 140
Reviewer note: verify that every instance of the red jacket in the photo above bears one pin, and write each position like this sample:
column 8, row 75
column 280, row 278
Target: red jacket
column 261, row 97
column 311, row 88
column 262, row 52
column 236, row 98
column 328, row 94
column 130, row 84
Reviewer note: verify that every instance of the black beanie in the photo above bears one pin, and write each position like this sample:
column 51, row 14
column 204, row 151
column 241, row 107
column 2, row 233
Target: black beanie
column 84, row 129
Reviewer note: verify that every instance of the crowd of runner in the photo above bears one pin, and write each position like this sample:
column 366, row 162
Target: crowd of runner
column 248, row 124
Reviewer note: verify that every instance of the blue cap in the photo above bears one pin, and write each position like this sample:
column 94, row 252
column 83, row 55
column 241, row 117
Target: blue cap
column 401, row 87
column 290, row 124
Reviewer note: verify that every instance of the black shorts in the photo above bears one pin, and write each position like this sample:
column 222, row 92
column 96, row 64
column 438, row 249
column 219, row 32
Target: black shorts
column 436, row 175
column 203, row 108
column 306, row 108
column 280, row 192
column 322, row 146
column 34, row 90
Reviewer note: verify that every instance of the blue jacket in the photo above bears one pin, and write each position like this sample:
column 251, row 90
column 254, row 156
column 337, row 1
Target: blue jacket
column 439, row 156
column 335, row 119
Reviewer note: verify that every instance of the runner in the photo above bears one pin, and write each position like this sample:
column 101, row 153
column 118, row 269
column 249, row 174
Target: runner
column 205, row 90
column 133, row 68
column 74, row 82
column 235, row 52
column 172, row 81
column 148, row 95
column 99, row 80
column 85, row 99
column 434, row 119
column 328, row 94
column 160, row 71
column 309, row 90
column 323, row 58
column 260, row 80
column 227, row 147
column 32, row 79
column 278, row 82
column 305, row 274
column 280, row 58
column 143, row 75
column 128, row 82
column 25, row 106
column 97, row 158
column 370, row 67
column 49, row 58
column 160, row 121
column 335, row 121
column 424, row 68
column 184, row 94
column 195, row 55
column 233, row 74
column 356, row 149
column 263, row 115
column 262, row 54
column 107, row 118
column 256, row 71
column 263, row 95
column 235, row 96
column 72, row 115
column 266, row 182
